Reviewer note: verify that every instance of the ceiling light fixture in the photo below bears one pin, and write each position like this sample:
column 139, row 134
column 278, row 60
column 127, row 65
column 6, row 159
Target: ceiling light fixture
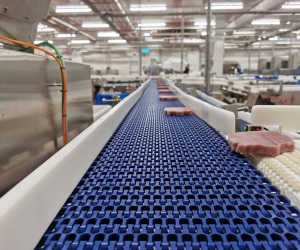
column 42, row 26
column 243, row 32
column 94, row 25
column 80, row 41
column 227, row 6
column 266, row 22
column 148, row 7
column 108, row 34
column 147, row 34
column 120, row 41
column 72, row 9
column 291, row 5
column 65, row 35
column 204, row 23
column 150, row 39
column 47, row 29
column 37, row 42
column 152, row 24
column 193, row 40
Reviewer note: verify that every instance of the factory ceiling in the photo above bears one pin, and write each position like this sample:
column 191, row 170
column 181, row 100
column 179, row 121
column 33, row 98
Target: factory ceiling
column 170, row 22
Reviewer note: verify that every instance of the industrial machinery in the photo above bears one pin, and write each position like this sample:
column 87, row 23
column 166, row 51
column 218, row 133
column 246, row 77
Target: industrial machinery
column 30, row 104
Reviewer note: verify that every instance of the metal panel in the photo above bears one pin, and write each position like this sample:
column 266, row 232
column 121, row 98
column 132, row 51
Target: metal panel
column 19, row 19
column 30, row 111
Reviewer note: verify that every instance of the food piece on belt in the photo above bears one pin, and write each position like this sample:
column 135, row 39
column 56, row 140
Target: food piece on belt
column 179, row 111
column 270, row 143
column 168, row 98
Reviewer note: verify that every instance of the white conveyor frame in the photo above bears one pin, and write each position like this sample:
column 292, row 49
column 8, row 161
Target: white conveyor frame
column 220, row 119
column 27, row 210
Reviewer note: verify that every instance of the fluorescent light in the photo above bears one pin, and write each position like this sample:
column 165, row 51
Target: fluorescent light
column 152, row 24
column 47, row 29
column 265, row 22
column 193, row 40
column 291, row 5
column 283, row 30
column 147, row 34
column 65, row 35
column 150, row 39
column 275, row 38
column 41, row 26
column 243, row 32
column 117, row 41
column 37, row 42
column 149, row 28
column 189, row 41
column 298, row 37
column 94, row 25
column 226, row 6
column 80, row 41
column 148, row 7
column 204, row 23
column 108, row 34
column 72, row 9
column 203, row 33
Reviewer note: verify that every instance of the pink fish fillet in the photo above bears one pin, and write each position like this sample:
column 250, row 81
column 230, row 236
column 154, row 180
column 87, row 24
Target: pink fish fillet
column 270, row 143
column 168, row 98
column 179, row 111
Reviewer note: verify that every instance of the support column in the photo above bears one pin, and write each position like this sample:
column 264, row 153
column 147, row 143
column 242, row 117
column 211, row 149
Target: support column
column 182, row 34
column 258, row 58
column 290, row 66
column 249, row 58
column 218, row 57
column 207, row 47
column 218, row 49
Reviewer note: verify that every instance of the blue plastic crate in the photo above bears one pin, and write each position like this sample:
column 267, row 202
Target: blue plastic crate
column 167, row 182
column 99, row 98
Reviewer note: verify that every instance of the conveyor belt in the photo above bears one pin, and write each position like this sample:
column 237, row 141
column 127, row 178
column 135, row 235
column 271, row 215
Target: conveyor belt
column 166, row 182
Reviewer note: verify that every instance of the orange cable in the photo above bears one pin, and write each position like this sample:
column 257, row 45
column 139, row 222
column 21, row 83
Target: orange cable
column 64, row 82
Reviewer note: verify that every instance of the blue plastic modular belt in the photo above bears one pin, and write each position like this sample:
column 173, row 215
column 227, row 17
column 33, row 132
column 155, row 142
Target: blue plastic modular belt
column 167, row 182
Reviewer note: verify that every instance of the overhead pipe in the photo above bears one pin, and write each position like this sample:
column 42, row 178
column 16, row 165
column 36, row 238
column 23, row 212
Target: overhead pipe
column 216, row 13
column 106, row 17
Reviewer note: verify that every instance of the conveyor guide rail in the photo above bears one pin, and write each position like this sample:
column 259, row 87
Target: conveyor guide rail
column 166, row 182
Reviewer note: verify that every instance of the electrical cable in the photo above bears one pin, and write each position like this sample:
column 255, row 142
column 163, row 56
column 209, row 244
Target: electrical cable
column 64, row 82
column 58, row 54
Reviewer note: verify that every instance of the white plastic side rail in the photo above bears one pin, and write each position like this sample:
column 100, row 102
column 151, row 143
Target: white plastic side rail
column 220, row 119
column 288, row 117
column 27, row 210
column 245, row 116
column 210, row 100
column 100, row 110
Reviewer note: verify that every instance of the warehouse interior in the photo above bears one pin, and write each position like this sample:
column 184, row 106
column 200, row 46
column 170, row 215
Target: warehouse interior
column 146, row 124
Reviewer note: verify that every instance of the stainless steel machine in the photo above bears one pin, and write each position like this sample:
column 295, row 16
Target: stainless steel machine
column 30, row 111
